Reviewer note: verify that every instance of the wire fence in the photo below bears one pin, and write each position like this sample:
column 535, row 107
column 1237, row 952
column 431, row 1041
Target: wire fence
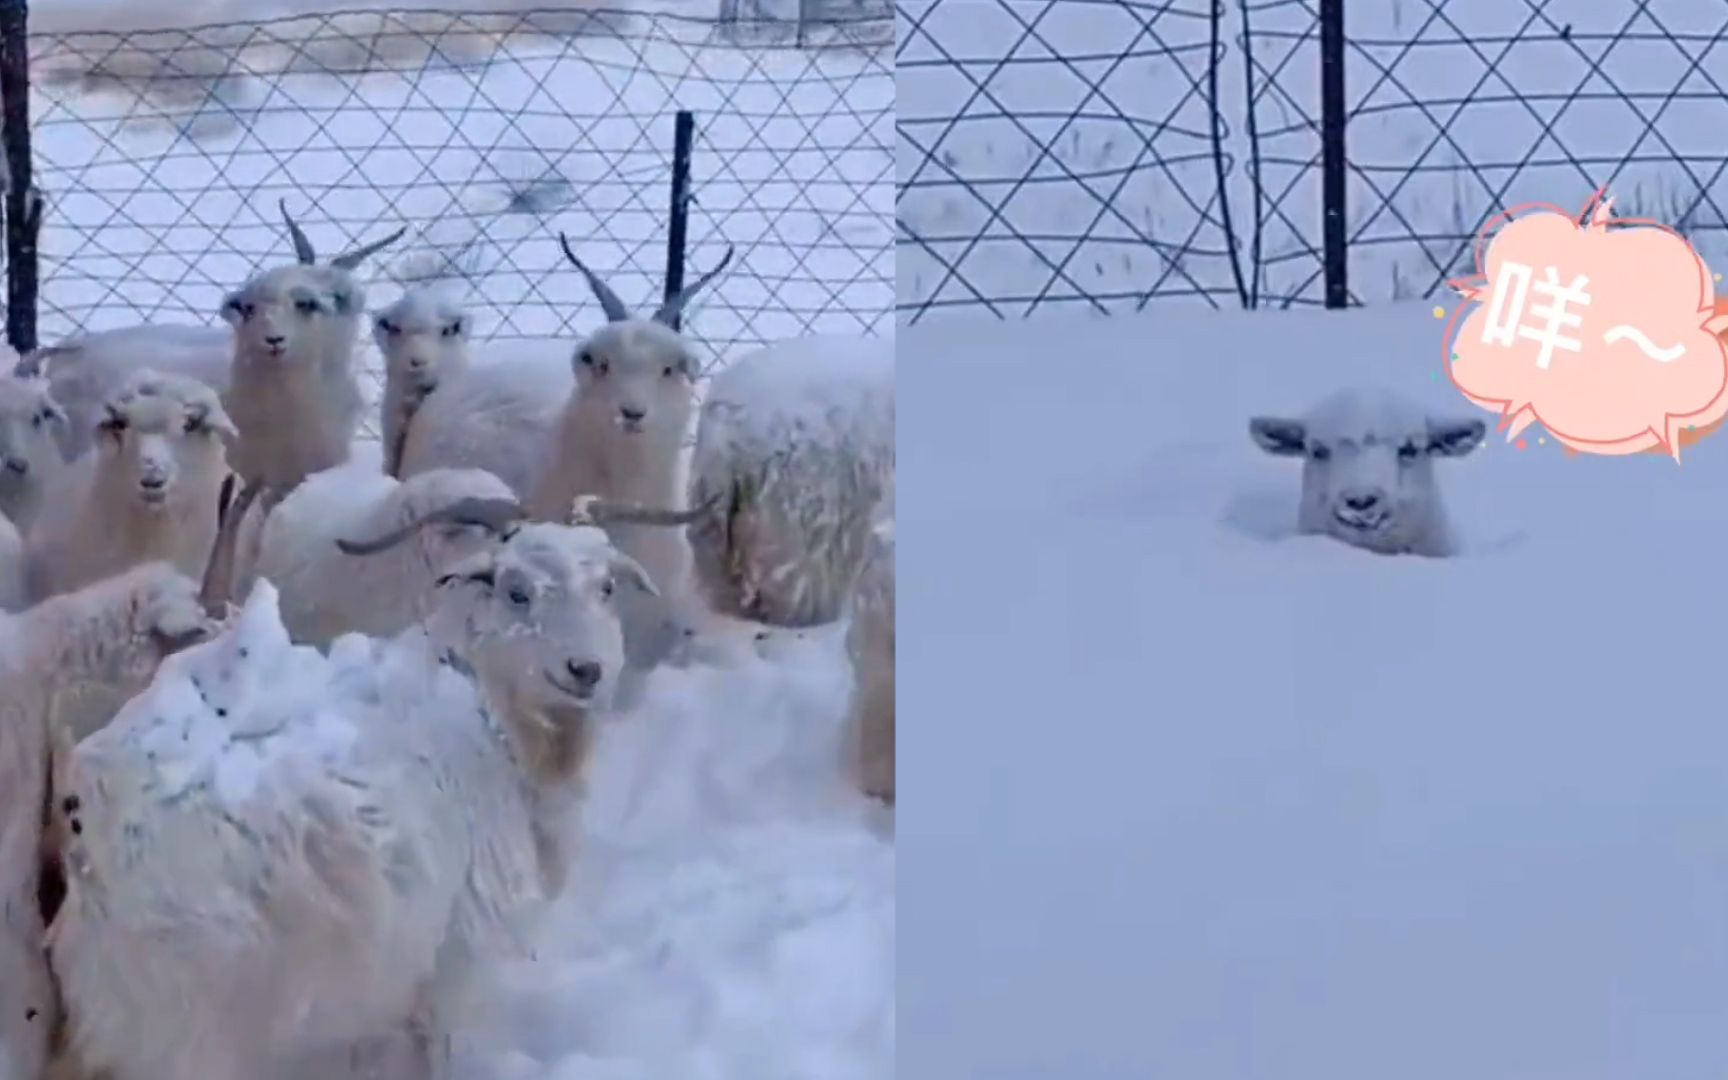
column 162, row 156
column 1107, row 153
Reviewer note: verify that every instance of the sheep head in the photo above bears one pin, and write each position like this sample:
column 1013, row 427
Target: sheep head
column 31, row 425
column 1368, row 468
column 164, row 438
column 639, row 373
column 301, row 311
column 422, row 337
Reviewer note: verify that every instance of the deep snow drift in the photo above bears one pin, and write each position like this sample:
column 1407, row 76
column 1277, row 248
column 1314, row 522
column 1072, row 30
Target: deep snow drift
column 1211, row 802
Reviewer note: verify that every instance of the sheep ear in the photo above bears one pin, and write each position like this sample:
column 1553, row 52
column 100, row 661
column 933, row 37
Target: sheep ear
column 632, row 571
column 1455, row 438
column 231, row 309
column 1275, row 435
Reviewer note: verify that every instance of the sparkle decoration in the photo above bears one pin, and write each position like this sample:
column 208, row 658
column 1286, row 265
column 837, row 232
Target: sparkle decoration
column 1439, row 312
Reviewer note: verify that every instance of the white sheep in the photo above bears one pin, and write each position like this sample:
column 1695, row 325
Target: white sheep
column 794, row 452
column 621, row 437
column 870, row 646
column 30, row 457
column 274, row 853
column 443, row 410
column 65, row 666
column 147, row 490
column 87, row 369
column 1368, row 469
column 13, row 591
column 294, row 393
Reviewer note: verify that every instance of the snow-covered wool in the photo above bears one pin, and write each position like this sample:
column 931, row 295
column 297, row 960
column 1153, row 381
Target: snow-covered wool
column 325, row 592
column 1368, row 469
column 870, row 647
column 794, row 452
column 65, row 666
column 275, row 853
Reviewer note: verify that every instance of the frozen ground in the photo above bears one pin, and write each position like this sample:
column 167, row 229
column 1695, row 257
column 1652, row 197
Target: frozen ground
column 1207, row 801
column 1049, row 189
column 164, row 154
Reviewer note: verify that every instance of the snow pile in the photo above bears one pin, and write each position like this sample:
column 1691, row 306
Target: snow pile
column 732, row 915
column 1276, row 807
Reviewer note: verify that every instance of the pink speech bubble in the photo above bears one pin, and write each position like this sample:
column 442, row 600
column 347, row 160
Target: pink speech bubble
column 1606, row 333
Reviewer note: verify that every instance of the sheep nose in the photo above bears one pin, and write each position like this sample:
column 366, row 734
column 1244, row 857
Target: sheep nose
column 18, row 465
column 1362, row 500
column 275, row 340
column 587, row 674
column 153, row 482
column 633, row 414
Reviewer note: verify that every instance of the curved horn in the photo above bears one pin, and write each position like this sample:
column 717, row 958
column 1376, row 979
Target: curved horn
column 493, row 515
column 668, row 312
column 591, row 509
column 353, row 257
column 609, row 302
column 303, row 249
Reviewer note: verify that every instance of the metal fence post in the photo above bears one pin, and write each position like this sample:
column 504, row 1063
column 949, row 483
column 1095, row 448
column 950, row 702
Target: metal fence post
column 1334, row 161
column 23, row 205
column 683, row 135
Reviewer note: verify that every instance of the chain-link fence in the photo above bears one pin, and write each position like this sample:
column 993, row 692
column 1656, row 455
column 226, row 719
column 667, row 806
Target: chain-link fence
column 162, row 156
column 1109, row 152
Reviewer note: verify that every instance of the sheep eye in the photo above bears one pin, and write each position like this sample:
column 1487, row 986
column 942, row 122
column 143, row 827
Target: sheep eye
column 1407, row 452
column 306, row 305
column 585, row 358
column 518, row 596
column 451, row 330
column 606, row 588
column 194, row 424
column 39, row 419
column 389, row 327
column 1319, row 452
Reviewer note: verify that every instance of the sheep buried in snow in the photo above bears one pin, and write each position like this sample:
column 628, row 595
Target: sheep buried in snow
column 1368, row 469
column 65, row 666
column 794, row 452
column 147, row 490
column 274, row 853
column 870, row 647
column 294, row 393
column 31, row 462
column 621, row 437
column 85, row 370
column 442, row 410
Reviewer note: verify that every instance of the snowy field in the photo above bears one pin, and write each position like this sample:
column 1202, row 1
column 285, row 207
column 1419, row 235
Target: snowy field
column 1084, row 166
column 1203, row 800
column 163, row 155
column 733, row 914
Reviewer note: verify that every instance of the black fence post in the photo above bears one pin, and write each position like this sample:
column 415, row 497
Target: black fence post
column 23, row 206
column 683, row 135
column 1334, row 162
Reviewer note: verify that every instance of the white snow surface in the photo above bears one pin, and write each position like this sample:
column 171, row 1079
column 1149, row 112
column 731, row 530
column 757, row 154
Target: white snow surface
column 1208, row 801
column 731, row 914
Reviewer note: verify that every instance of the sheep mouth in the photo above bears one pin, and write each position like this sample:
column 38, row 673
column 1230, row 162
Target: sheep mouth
column 153, row 497
column 1362, row 523
column 570, row 689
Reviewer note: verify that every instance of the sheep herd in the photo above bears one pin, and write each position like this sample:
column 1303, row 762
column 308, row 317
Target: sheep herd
column 290, row 742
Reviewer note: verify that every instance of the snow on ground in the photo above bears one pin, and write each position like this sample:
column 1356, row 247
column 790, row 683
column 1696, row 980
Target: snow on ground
column 1207, row 801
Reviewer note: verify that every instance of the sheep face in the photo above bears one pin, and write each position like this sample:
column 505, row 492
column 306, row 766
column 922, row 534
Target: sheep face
column 536, row 616
column 160, row 432
column 295, row 314
column 420, row 336
column 639, row 376
column 31, row 424
column 1368, row 468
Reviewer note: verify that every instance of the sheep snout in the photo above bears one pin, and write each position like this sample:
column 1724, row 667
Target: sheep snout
column 17, row 466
